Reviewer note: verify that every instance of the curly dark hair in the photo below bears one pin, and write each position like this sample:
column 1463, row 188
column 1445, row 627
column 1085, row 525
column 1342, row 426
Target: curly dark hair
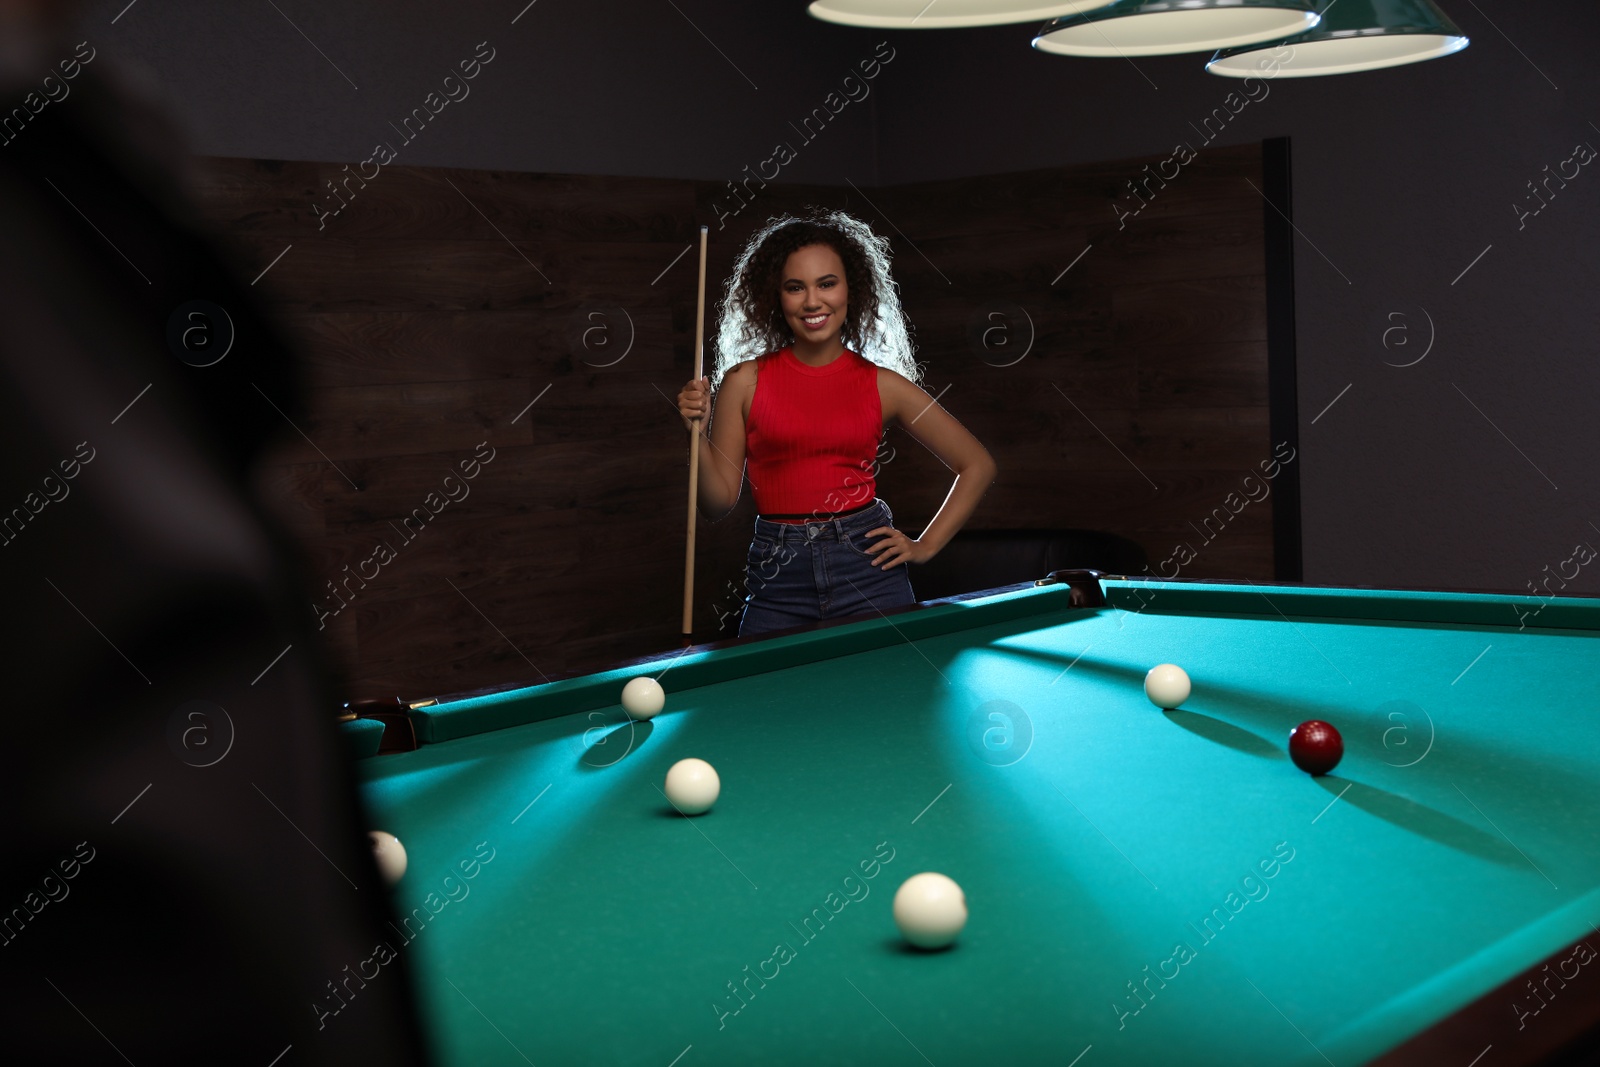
column 752, row 321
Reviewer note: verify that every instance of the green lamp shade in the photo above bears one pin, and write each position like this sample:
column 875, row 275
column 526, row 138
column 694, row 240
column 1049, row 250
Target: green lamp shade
column 945, row 14
column 1354, row 35
column 1171, row 27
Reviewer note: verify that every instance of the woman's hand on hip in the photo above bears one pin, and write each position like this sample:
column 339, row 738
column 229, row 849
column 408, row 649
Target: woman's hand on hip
column 894, row 548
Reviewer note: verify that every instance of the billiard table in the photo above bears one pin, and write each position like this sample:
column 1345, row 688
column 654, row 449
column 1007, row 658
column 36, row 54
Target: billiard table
column 1145, row 886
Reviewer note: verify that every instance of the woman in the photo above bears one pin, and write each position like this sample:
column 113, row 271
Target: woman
column 812, row 301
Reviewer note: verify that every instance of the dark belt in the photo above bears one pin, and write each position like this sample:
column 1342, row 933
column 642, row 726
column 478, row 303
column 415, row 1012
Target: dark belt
column 815, row 517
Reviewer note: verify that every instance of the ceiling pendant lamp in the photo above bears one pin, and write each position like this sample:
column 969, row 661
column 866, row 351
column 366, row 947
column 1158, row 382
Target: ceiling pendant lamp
column 945, row 14
column 1171, row 27
column 1354, row 35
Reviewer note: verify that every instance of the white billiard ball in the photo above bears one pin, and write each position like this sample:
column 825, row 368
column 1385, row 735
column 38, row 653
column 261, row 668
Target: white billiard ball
column 930, row 910
column 1166, row 685
column 692, row 786
column 390, row 854
column 643, row 698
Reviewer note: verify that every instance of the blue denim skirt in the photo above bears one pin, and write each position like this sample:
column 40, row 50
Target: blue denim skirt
column 800, row 573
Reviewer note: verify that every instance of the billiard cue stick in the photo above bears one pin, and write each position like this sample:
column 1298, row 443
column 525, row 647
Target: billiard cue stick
column 694, row 444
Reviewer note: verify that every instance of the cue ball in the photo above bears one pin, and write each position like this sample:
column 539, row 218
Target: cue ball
column 1166, row 685
column 1315, row 747
column 643, row 698
column 692, row 786
column 390, row 854
column 930, row 910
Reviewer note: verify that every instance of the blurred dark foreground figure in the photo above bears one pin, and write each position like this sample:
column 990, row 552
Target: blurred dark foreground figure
column 186, row 877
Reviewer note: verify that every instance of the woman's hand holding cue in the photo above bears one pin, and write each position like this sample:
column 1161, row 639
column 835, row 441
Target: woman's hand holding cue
column 694, row 401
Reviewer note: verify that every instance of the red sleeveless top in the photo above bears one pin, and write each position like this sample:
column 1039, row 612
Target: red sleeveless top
column 813, row 435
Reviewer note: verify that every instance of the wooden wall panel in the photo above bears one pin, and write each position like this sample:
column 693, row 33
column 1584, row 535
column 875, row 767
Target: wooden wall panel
column 439, row 304
column 1202, row 375
column 1199, row 311
column 398, row 347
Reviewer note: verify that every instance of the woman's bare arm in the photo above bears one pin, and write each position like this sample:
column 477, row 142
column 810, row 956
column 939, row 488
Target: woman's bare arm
column 954, row 446
column 722, row 448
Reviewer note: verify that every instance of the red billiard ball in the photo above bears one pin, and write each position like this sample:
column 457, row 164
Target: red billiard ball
column 1315, row 747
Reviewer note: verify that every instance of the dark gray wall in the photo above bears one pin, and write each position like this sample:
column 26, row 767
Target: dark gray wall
column 688, row 89
column 1470, row 469
column 1401, row 179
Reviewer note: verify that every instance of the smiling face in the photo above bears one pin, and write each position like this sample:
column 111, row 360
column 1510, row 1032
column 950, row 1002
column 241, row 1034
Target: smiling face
column 815, row 297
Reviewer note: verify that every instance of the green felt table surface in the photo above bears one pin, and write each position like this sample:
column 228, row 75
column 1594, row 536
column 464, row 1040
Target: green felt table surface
column 1264, row 916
